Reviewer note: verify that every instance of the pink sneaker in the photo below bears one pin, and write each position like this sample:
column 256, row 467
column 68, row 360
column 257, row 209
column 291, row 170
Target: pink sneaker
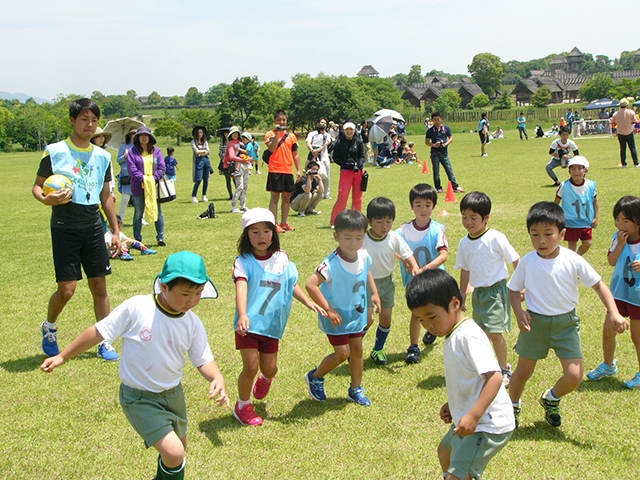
column 261, row 387
column 247, row 416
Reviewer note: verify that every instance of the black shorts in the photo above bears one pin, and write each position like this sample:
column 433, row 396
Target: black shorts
column 280, row 182
column 75, row 247
column 483, row 138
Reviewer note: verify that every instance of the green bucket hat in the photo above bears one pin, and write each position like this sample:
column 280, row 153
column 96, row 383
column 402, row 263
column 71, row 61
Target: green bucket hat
column 187, row 265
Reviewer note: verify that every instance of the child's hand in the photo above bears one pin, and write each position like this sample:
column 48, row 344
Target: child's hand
column 313, row 306
column 467, row 426
column 243, row 324
column 445, row 413
column 619, row 323
column 334, row 317
column 463, row 306
column 524, row 321
column 59, row 197
column 216, row 389
column 622, row 237
column 635, row 266
column 50, row 363
column 375, row 300
column 594, row 224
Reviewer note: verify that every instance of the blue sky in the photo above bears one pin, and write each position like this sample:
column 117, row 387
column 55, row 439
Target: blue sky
column 66, row 46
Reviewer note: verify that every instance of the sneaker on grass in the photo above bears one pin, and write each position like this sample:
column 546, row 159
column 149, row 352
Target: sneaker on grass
column 316, row 386
column 49, row 340
column 107, row 352
column 516, row 413
column 413, row 354
column 379, row 357
column 358, row 396
column 603, row 370
column 148, row 251
column 506, row 376
column 261, row 387
column 429, row 338
column 551, row 410
column 634, row 382
column 247, row 415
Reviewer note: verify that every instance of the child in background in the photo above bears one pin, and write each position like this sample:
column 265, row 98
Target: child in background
column 549, row 275
column 339, row 285
column 253, row 150
column 242, row 165
column 624, row 254
column 478, row 405
column 481, row 260
column 426, row 238
column 411, row 155
column 171, row 164
column 560, row 151
column 125, row 244
column 266, row 282
column 156, row 332
column 580, row 203
column 384, row 245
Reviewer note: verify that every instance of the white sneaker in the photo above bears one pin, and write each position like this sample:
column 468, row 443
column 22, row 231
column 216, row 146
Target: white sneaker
column 194, row 200
column 204, row 198
column 144, row 222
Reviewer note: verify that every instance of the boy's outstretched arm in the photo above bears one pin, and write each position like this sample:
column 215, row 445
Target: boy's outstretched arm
column 469, row 423
column 439, row 260
column 87, row 339
column 211, row 372
column 375, row 298
column 299, row 295
column 619, row 323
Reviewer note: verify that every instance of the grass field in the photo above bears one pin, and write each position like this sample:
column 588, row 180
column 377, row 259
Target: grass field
column 69, row 425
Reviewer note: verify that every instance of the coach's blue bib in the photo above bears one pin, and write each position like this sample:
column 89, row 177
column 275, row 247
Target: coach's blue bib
column 578, row 209
column 269, row 298
column 347, row 296
column 86, row 168
column 425, row 250
column 625, row 283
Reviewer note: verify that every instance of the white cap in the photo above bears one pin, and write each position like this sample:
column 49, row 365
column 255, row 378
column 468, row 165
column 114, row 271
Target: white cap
column 257, row 215
column 579, row 160
column 349, row 125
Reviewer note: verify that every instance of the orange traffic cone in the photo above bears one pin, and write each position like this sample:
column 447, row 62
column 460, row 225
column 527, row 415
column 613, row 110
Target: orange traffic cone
column 451, row 197
column 425, row 167
column 444, row 213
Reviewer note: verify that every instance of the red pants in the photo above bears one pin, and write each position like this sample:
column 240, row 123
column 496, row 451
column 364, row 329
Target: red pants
column 348, row 180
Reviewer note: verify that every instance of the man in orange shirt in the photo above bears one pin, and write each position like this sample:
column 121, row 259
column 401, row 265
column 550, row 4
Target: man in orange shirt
column 283, row 146
column 625, row 121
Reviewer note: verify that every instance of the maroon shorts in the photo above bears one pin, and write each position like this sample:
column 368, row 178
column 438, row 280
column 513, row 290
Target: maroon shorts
column 575, row 234
column 337, row 340
column 628, row 310
column 259, row 342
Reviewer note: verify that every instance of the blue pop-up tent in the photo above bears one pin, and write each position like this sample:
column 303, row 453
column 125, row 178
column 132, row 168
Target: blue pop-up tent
column 602, row 103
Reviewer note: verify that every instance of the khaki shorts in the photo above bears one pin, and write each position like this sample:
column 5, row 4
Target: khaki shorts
column 471, row 454
column 386, row 291
column 154, row 415
column 559, row 332
column 491, row 308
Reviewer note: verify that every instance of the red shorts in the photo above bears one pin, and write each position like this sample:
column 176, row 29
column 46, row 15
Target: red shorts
column 259, row 342
column 575, row 234
column 628, row 310
column 337, row 340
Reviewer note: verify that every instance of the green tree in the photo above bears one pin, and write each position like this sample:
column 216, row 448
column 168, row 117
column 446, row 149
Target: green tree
column 154, row 98
column 598, row 87
column 114, row 106
column 170, row 127
column 193, row 97
column 192, row 117
column 503, row 102
column 97, row 96
column 132, row 94
column 5, row 121
column 628, row 61
column 400, row 78
column 382, row 91
column 176, row 101
column 542, row 97
column 241, row 101
column 310, row 100
column 213, row 96
column 481, row 100
column 486, row 70
column 271, row 97
column 448, row 102
column 415, row 75
column 626, row 88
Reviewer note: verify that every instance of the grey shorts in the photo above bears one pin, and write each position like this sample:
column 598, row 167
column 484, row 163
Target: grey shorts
column 491, row 308
column 386, row 291
column 560, row 332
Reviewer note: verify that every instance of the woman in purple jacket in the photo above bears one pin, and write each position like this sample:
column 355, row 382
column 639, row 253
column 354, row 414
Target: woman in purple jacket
column 146, row 167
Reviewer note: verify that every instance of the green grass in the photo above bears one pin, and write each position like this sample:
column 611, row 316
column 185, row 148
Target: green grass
column 69, row 425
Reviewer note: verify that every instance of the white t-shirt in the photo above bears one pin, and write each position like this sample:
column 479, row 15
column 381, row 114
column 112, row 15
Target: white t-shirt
column 383, row 253
column 154, row 343
column 570, row 145
column 351, row 267
column 484, row 257
column 108, row 237
column 276, row 264
column 552, row 284
column 415, row 235
column 316, row 140
column 468, row 355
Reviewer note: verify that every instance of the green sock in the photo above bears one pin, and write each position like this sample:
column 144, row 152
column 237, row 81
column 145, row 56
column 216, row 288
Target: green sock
column 166, row 473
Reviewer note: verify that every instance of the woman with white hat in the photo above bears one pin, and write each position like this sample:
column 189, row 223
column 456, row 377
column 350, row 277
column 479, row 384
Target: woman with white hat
column 146, row 167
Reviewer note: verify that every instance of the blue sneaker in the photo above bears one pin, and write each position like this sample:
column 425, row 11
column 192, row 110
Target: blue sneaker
column 49, row 341
column 634, row 382
column 603, row 370
column 126, row 257
column 148, row 251
column 107, row 352
column 358, row 396
column 316, row 386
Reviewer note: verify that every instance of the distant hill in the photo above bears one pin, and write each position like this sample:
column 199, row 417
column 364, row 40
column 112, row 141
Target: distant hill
column 22, row 97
